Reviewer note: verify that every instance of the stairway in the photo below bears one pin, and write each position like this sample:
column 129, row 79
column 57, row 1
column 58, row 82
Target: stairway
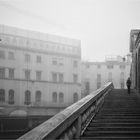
column 118, row 119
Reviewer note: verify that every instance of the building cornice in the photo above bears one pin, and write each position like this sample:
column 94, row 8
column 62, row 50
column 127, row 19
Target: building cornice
column 41, row 81
column 39, row 51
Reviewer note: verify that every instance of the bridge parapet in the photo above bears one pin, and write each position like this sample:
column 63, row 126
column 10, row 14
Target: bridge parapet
column 72, row 121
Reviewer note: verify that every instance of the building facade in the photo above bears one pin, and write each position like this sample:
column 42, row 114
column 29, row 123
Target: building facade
column 38, row 69
column 135, row 66
column 96, row 74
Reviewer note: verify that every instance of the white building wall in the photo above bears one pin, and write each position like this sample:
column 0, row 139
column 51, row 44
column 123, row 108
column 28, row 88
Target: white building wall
column 23, row 42
column 90, row 71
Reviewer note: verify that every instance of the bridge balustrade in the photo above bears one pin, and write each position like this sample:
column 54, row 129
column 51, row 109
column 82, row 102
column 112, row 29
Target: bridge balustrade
column 72, row 121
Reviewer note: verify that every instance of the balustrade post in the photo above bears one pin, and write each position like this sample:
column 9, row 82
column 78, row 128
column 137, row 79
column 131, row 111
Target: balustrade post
column 79, row 126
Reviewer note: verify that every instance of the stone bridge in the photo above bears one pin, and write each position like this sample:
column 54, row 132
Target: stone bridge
column 105, row 114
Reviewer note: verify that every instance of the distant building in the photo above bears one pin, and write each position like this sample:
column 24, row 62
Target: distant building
column 96, row 74
column 38, row 69
column 135, row 66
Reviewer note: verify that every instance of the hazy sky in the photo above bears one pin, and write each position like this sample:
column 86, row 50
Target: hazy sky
column 103, row 26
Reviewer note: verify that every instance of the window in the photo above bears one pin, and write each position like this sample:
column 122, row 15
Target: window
column 61, row 97
column 54, row 77
column 75, row 78
column 61, row 63
column 87, row 87
column 75, row 64
column 2, row 95
column 74, row 49
column 122, row 75
column 54, row 61
column 27, row 58
column 98, row 77
column 14, row 40
column 38, row 96
column 2, row 72
column 122, row 66
column 98, row 66
column 11, row 56
column 122, row 80
column 11, row 73
column 54, row 97
column 38, row 75
column 2, row 54
column 110, row 66
column 38, row 59
column 87, row 66
column 75, row 97
column 11, row 96
column 6, row 39
column 61, row 77
column 27, row 74
column 98, row 85
column 27, row 97
column 110, row 77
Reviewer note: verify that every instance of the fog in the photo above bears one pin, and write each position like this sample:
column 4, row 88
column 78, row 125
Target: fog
column 103, row 26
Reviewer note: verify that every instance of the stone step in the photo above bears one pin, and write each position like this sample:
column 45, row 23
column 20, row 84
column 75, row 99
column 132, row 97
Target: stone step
column 120, row 112
column 113, row 128
column 111, row 138
column 112, row 133
column 115, row 124
column 116, row 120
column 118, row 117
column 104, row 115
column 116, row 108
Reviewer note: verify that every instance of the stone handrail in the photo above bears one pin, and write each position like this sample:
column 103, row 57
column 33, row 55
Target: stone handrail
column 72, row 121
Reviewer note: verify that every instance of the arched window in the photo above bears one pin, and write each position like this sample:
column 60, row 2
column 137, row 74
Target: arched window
column 87, row 87
column 75, row 97
column 38, row 96
column 122, row 80
column 2, row 95
column 98, row 85
column 61, row 97
column 122, row 76
column 98, row 77
column 110, row 77
column 11, row 96
column 27, row 97
column 98, row 81
column 54, row 97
